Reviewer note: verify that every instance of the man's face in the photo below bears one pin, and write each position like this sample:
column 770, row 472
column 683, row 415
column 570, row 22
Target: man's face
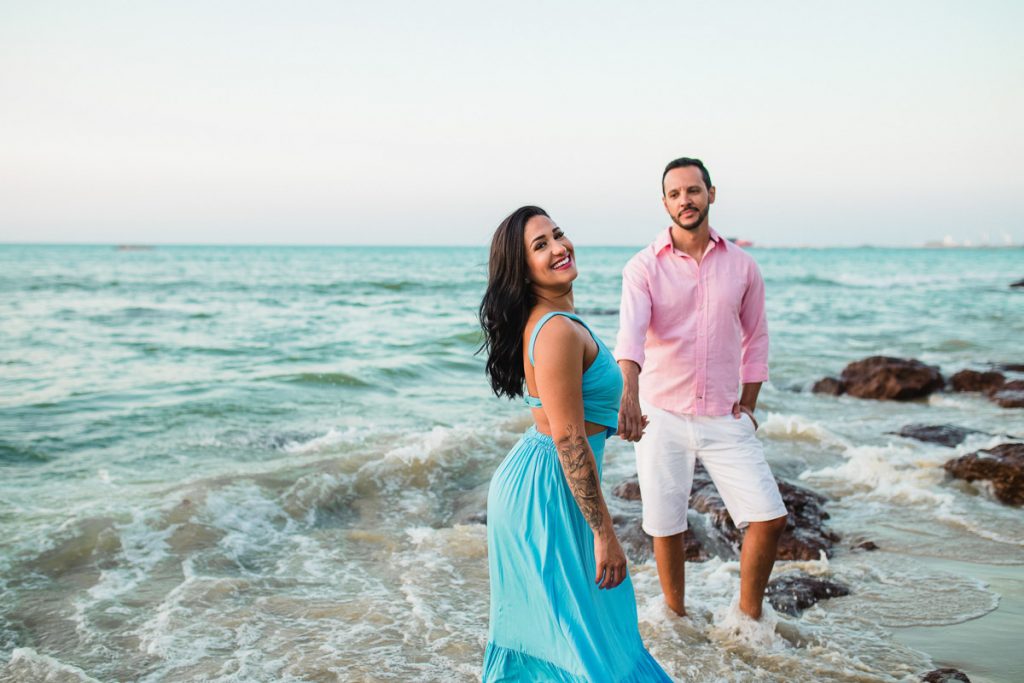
column 687, row 199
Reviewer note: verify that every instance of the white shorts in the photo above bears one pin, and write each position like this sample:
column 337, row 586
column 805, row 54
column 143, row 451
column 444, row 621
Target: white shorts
column 732, row 455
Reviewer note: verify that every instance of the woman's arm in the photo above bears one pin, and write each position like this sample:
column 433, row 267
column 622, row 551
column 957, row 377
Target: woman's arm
column 558, row 370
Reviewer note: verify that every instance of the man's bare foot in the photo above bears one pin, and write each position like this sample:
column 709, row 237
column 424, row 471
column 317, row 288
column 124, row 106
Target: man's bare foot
column 679, row 610
column 753, row 614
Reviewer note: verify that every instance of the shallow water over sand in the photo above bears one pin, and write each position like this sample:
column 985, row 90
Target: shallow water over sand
column 249, row 464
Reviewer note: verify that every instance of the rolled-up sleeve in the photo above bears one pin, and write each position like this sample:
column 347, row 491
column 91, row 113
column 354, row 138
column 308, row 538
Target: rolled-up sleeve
column 754, row 325
column 634, row 313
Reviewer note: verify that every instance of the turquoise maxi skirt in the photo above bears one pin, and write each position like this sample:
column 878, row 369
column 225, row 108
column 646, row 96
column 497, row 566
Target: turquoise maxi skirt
column 549, row 620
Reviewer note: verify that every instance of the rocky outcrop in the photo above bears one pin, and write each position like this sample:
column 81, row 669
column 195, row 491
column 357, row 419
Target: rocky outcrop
column 1010, row 395
column 828, row 385
column 794, row 592
column 639, row 547
column 887, row 378
column 805, row 536
column 865, row 545
column 993, row 384
column 1009, row 367
column 1003, row 466
column 973, row 380
column 947, row 435
column 628, row 489
column 945, row 676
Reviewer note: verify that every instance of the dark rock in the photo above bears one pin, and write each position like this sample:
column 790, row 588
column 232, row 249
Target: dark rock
column 475, row 518
column 829, row 385
column 805, row 536
column 947, row 435
column 628, row 490
column 1010, row 395
column 639, row 547
column 972, row 380
column 793, row 593
column 1018, row 283
column 945, row 676
column 470, row 505
column 866, row 545
column 694, row 550
column 1009, row 399
column 897, row 379
column 1009, row 367
column 1002, row 465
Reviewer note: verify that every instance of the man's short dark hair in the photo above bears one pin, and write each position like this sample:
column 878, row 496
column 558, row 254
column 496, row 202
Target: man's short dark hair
column 686, row 161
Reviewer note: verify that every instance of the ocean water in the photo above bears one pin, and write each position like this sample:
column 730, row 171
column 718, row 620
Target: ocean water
column 263, row 464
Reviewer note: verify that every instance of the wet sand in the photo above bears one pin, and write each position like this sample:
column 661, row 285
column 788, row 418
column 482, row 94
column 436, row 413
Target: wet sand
column 988, row 649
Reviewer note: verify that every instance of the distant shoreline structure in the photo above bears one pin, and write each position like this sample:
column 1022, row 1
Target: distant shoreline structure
column 948, row 242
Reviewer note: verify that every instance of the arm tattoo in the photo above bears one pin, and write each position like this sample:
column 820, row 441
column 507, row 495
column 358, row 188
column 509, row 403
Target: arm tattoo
column 581, row 474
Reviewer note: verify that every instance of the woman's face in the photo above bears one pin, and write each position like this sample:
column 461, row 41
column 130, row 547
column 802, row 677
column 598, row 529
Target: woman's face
column 550, row 258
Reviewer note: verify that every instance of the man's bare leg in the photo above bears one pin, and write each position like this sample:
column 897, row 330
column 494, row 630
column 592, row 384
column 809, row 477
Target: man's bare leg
column 670, row 555
column 757, row 557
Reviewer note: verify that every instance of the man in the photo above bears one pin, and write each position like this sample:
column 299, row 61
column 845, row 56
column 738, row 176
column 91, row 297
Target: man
column 691, row 329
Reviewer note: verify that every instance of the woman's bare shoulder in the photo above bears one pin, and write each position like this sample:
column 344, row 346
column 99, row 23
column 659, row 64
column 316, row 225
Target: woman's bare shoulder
column 558, row 340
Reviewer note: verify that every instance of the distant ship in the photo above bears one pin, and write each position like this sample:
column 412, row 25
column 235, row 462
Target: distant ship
column 133, row 247
column 739, row 242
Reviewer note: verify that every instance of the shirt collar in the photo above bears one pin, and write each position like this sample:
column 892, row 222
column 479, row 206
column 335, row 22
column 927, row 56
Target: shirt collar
column 664, row 240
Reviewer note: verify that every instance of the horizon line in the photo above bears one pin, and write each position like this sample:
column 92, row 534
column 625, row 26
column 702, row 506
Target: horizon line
column 142, row 246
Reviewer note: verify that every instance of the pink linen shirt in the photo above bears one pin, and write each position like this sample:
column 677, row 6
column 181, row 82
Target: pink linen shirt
column 696, row 331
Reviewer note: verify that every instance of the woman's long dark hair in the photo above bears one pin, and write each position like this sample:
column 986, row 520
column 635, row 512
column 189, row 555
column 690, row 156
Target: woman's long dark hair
column 507, row 303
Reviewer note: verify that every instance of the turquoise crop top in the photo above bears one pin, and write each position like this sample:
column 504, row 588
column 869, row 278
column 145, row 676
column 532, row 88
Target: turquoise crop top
column 602, row 381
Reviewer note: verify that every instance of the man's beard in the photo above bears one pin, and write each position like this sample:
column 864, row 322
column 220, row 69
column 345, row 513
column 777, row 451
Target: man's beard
column 701, row 215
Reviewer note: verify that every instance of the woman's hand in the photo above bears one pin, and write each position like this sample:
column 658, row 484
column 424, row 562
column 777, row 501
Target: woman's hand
column 610, row 560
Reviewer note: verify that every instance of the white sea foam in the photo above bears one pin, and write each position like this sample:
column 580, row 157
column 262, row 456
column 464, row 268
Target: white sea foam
column 423, row 446
column 28, row 665
column 716, row 642
column 798, row 428
column 156, row 634
column 731, row 624
column 325, row 443
column 311, row 492
column 890, row 472
column 908, row 473
column 253, row 523
column 143, row 546
column 818, row 567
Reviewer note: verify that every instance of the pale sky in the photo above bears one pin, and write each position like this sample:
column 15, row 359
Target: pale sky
column 426, row 123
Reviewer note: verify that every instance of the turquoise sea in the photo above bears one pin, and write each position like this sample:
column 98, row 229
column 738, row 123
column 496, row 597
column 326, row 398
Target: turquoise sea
column 265, row 464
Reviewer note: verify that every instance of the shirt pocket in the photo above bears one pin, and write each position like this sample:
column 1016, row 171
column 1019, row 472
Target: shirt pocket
column 674, row 303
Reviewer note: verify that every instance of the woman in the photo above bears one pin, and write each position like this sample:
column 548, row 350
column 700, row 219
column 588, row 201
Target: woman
column 562, row 604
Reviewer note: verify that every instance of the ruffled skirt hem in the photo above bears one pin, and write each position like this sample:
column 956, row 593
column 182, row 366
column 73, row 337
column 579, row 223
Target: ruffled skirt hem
column 503, row 664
